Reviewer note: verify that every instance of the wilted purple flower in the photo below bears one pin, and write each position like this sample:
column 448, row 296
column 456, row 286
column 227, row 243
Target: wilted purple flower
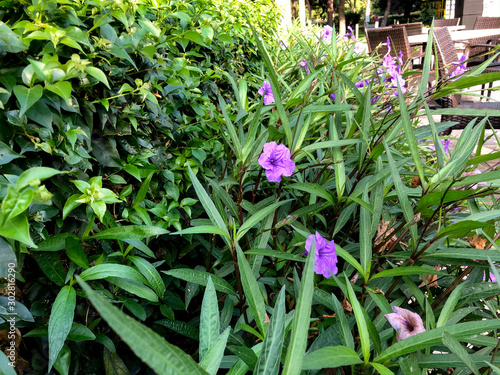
column 325, row 261
column 267, row 92
column 275, row 159
column 332, row 96
column 350, row 34
column 407, row 323
column 303, row 64
column 460, row 69
column 326, row 33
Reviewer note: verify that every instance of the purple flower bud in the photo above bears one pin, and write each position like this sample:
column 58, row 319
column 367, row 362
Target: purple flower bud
column 275, row 159
column 332, row 96
column 303, row 64
column 325, row 260
column 267, row 93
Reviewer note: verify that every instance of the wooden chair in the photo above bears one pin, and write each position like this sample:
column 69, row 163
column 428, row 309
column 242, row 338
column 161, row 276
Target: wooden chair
column 478, row 46
column 443, row 22
column 447, row 59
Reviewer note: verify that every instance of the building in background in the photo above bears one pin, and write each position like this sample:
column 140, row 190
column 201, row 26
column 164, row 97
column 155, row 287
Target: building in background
column 468, row 10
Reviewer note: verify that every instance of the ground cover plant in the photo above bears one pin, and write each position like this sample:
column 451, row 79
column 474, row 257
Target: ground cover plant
column 224, row 201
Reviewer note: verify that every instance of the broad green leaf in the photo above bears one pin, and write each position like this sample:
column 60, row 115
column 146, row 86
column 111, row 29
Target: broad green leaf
column 268, row 362
column 51, row 266
column 7, row 154
column 454, row 345
column 252, row 291
column 62, row 88
column 181, row 327
column 55, row 243
column 209, row 320
column 445, row 361
column 195, row 37
column 27, row 97
column 133, row 286
column 461, row 331
column 141, row 194
column 343, row 325
column 247, row 355
column 139, row 245
column 201, row 278
column 213, row 357
column 460, row 229
column 331, row 356
column 151, row 348
column 150, row 273
column 301, row 320
column 75, row 252
column 61, row 319
column 257, row 218
column 381, row 369
column 136, row 232
column 101, row 271
column 33, row 176
column 63, row 361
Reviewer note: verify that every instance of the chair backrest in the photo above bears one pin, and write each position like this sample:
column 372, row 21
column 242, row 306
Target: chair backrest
column 487, row 23
column 447, row 54
column 443, row 22
column 414, row 28
column 397, row 36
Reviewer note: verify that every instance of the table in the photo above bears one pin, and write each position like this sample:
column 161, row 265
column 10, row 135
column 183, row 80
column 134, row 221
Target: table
column 450, row 28
column 457, row 36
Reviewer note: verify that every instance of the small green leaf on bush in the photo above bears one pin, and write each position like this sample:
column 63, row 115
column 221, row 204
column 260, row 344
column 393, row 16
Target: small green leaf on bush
column 62, row 88
column 97, row 74
column 331, row 356
column 137, row 232
column 27, row 97
column 75, row 252
column 201, row 278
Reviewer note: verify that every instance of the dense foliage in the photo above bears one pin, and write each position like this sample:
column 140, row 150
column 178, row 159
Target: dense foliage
column 139, row 178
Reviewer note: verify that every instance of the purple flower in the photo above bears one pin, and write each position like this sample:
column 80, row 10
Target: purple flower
column 407, row 323
column 492, row 278
column 267, row 92
column 332, row 96
column 326, row 33
column 275, row 159
column 446, row 146
column 359, row 49
column 350, row 34
column 361, row 84
column 460, row 69
column 303, row 64
column 325, row 261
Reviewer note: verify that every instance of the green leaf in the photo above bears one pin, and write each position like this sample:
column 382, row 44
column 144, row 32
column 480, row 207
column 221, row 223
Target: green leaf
column 55, row 243
column 17, row 228
column 201, row 278
column 269, row 359
column 209, row 320
column 331, row 144
column 247, row 355
column 7, row 256
column 460, row 229
column 63, row 361
column 381, row 369
column 99, row 74
column 150, row 273
column 75, row 252
column 331, row 356
column 276, row 254
column 62, row 88
column 213, row 357
column 257, row 218
column 365, row 237
column 113, row 364
column 410, row 270
column 364, row 336
column 51, row 266
column 27, row 97
column 136, row 232
column 252, row 291
column 301, row 320
column 193, row 36
column 315, row 189
column 141, row 194
column 181, row 327
column 151, row 348
column 61, row 319
column 7, row 154
column 33, row 176
column 449, row 306
column 133, row 286
column 454, row 345
column 204, row 229
column 6, row 367
column 344, row 329
column 461, row 331
column 208, row 204
column 101, row 271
